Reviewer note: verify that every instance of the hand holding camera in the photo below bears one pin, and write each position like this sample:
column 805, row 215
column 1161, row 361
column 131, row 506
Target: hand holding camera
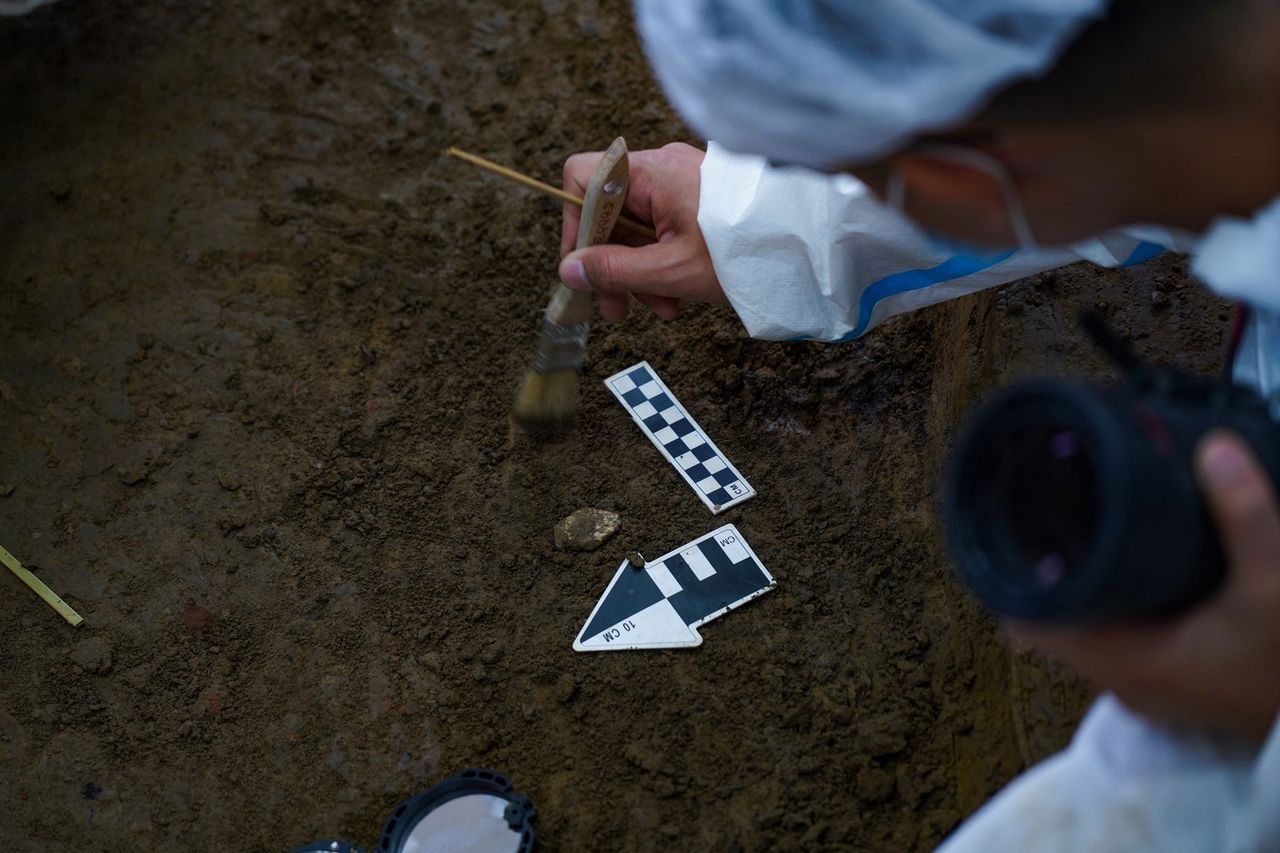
column 1219, row 664
column 1132, row 532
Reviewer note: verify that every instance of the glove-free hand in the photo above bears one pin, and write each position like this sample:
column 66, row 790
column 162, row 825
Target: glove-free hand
column 1218, row 666
column 664, row 190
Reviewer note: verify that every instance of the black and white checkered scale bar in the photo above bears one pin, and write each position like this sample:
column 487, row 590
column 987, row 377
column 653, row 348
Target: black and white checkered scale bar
column 677, row 435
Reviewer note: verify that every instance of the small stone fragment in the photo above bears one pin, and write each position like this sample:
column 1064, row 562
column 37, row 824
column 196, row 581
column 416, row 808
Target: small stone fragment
column 230, row 481
column 6, row 489
column 93, row 655
column 1158, row 299
column 587, row 529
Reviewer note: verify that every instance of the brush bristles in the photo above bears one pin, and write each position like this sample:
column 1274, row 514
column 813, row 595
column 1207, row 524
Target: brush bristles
column 547, row 402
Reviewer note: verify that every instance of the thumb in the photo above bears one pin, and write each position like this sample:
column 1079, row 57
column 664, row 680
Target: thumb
column 611, row 268
column 1242, row 501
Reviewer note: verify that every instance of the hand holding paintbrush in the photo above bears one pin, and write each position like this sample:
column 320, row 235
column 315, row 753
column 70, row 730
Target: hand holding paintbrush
column 548, row 399
column 659, row 273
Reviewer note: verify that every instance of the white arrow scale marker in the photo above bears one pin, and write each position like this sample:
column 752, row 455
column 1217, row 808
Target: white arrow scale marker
column 661, row 605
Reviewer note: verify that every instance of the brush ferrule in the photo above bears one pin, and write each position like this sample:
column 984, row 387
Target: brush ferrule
column 561, row 347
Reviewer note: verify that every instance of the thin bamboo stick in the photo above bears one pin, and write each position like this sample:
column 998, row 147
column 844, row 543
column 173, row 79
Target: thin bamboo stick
column 50, row 597
column 535, row 184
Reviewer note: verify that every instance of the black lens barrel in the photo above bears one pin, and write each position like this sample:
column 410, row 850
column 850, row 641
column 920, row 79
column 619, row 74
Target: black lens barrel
column 1074, row 503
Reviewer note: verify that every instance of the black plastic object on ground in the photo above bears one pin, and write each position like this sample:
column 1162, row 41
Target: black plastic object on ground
column 1075, row 503
column 477, row 811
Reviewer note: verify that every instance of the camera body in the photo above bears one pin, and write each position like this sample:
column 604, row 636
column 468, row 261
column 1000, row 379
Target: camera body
column 1075, row 503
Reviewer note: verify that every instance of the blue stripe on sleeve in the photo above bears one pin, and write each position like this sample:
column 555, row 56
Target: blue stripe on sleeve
column 1142, row 253
column 955, row 267
column 902, row 282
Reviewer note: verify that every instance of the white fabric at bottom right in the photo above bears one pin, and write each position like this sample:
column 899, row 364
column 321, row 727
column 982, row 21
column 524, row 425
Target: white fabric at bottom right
column 1127, row 784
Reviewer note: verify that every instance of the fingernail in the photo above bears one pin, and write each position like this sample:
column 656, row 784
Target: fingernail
column 1224, row 464
column 574, row 274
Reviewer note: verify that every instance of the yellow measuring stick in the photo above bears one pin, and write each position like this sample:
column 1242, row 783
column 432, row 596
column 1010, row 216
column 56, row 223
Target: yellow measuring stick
column 50, row 597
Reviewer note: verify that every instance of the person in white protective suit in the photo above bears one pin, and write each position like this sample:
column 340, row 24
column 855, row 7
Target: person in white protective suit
column 874, row 143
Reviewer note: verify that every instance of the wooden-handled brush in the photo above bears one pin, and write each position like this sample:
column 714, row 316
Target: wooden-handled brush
column 548, row 400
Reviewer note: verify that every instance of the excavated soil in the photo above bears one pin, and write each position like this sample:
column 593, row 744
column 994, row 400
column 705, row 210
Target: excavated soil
column 259, row 347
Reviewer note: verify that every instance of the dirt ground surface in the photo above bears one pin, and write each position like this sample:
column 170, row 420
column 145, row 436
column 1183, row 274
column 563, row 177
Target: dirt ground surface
column 260, row 343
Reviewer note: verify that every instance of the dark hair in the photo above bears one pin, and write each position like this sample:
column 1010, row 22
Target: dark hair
column 1144, row 55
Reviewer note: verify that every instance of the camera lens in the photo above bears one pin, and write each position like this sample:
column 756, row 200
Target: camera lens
column 1073, row 503
column 1043, row 510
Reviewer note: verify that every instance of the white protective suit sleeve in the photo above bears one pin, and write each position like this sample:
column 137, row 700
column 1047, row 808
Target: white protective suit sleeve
column 1127, row 784
column 802, row 255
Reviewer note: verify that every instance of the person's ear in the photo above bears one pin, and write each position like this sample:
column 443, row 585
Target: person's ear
column 943, row 192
